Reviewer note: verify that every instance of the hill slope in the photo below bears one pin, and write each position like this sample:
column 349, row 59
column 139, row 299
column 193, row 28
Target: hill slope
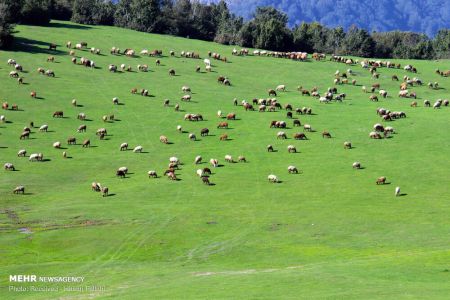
column 329, row 231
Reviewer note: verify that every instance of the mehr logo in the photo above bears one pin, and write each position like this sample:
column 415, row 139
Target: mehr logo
column 22, row 278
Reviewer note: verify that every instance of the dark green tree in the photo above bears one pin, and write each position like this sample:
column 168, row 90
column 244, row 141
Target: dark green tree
column 358, row 42
column 35, row 12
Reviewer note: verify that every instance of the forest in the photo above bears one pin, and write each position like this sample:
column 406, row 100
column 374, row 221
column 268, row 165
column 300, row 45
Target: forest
column 265, row 27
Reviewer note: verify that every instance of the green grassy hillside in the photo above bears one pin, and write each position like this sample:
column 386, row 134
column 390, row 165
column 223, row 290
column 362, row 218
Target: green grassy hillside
column 329, row 232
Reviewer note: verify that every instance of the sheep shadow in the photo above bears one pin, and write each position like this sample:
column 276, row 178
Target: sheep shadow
column 211, row 184
column 402, row 195
column 39, row 98
column 110, row 195
column 46, row 159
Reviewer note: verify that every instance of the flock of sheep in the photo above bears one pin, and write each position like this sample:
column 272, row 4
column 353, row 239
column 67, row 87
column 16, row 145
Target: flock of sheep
column 269, row 104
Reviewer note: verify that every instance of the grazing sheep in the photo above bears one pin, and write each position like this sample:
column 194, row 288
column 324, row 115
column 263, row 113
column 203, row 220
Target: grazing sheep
column 231, row 116
column 64, row 154
column 186, row 98
column 43, row 128
column 138, row 149
column 307, row 127
column 291, row 149
column 374, row 135
column 223, row 137
column 179, row 128
column 19, row 189
column 185, row 89
column 214, row 162
column 381, row 180
column 152, row 174
column 172, row 72
column 281, row 87
column 82, row 128
column 86, row 143
column 199, row 172
column 241, row 158
column 115, row 100
column 74, row 102
column 123, row 146
column 205, row 180
column 222, row 125
column 2, row 119
column 347, row 145
column 356, row 165
column 326, row 134
column 36, row 157
column 292, row 169
column 272, row 178
column 270, row 148
column 397, row 191
column 427, row 103
column 96, row 187
column 81, row 116
column 163, row 139
column 105, row 191
column 229, row 158
column 9, row 167
column 22, row 153
column 198, row 159
column 71, row 141
column 57, row 145
column 192, row 137
column 281, row 135
column 33, row 94
column 204, row 132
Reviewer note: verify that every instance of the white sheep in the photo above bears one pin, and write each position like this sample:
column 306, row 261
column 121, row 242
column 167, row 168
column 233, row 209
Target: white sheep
column 137, row 149
column 397, row 191
column 43, row 127
column 22, row 152
column 57, row 145
column 228, row 158
column 199, row 172
column 272, row 178
column 198, row 159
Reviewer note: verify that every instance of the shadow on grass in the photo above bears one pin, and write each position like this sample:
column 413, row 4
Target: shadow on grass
column 22, row 44
column 68, row 26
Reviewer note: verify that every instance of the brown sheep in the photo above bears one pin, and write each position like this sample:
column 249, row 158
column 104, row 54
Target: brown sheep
column 381, row 180
column 326, row 134
column 231, row 116
column 224, row 137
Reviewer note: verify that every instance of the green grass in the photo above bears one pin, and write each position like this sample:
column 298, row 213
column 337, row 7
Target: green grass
column 329, row 232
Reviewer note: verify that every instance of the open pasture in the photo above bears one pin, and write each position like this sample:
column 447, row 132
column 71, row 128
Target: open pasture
column 327, row 231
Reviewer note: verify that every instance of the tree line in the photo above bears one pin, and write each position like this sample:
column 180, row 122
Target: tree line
column 268, row 29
